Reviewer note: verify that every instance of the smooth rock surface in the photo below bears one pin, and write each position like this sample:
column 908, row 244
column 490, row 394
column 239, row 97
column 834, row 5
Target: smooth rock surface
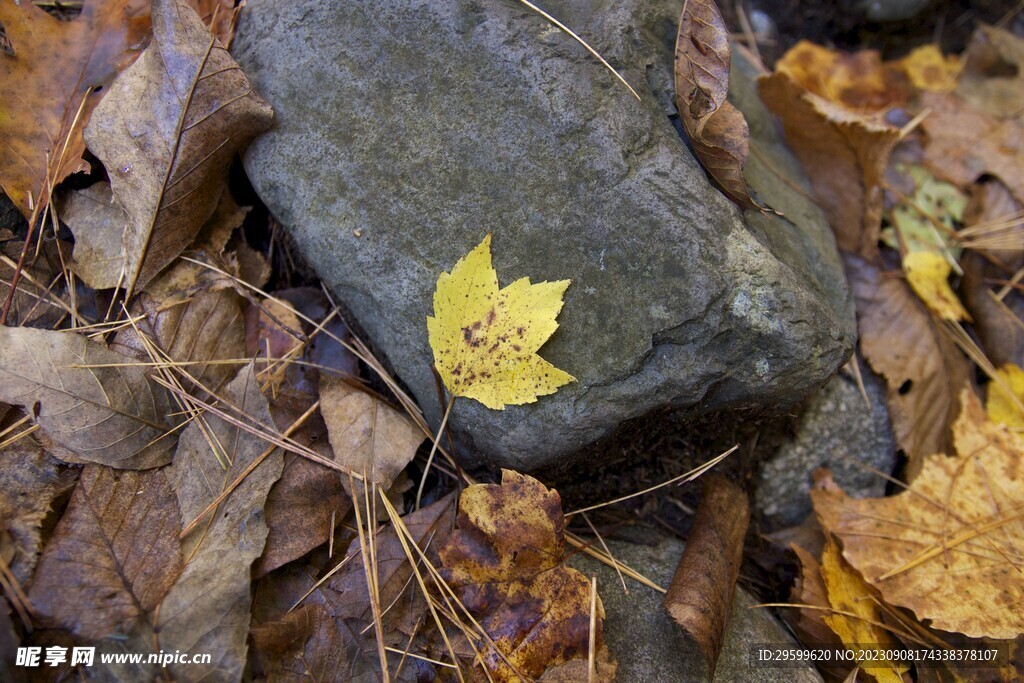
column 408, row 129
column 838, row 431
column 650, row 647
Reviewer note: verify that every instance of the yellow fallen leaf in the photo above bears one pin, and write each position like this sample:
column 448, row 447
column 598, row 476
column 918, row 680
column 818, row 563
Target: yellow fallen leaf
column 928, row 275
column 949, row 547
column 928, row 69
column 849, row 595
column 1005, row 395
column 485, row 340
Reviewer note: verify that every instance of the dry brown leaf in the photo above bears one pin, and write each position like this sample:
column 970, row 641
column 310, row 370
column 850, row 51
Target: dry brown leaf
column 167, row 131
column 98, row 223
column 845, row 156
column 992, row 79
column 273, row 331
column 46, row 78
column 717, row 130
column 922, row 367
column 109, row 415
column 576, row 670
column 367, row 435
column 299, row 506
column 848, row 595
column 964, row 143
column 33, row 305
column 505, row 562
column 29, row 481
column 220, row 16
column 112, row 557
column 949, row 548
column 700, row 595
column 208, row 608
column 303, row 645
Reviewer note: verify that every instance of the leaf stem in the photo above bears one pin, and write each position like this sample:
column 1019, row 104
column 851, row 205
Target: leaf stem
column 433, row 450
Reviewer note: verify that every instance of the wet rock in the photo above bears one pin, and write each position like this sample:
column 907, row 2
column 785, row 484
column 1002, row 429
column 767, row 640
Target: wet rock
column 407, row 129
column 838, row 431
column 649, row 646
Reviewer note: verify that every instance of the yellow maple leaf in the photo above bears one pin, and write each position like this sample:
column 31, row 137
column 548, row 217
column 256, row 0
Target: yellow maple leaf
column 485, row 340
column 928, row 275
column 1005, row 395
column 857, row 619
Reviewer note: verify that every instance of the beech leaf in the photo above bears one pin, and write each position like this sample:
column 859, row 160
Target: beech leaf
column 113, row 555
column 108, row 415
column 485, row 340
column 700, row 595
column 960, row 518
column 167, row 131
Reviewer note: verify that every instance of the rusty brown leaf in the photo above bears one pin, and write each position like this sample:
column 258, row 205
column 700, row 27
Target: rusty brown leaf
column 947, row 547
column 505, row 562
column 700, row 595
column 208, row 608
column 845, row 156
column 89, row 399
column 48, row 78
column 717, row 130
column 113, row 555
column 167, row 131
column 922, row 367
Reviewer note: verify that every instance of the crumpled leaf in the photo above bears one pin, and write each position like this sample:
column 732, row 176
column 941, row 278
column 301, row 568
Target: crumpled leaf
column 700, row 596
column 98, row 223
column 960, row 518
column 922, row 367
column 717, row 130
column 29, row 481
column 485, row 341
column 847, row 592
column 207, row 609
column 109, row 415
column 963, row 143
column 1005, row 395
column 113, row 555
column 50, row 74
column 167, row 131
column 367, row 435
column 302, row 645
column 845, row 156
column 928, row 275
column 992, row 79
column 504, row 561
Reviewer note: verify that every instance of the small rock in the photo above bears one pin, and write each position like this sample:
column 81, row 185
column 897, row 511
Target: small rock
column 838, row 431
column 408, row 129
column 649, row 646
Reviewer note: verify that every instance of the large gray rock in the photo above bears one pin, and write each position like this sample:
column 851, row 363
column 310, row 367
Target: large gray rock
column 408, row 129
column 837, row 430
column 650, row 647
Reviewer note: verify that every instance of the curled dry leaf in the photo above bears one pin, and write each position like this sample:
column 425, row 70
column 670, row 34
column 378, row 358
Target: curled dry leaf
column 113, row 555
column 504, row 561
column 29, row 481
column 717, row 130
column 845, row 156
column 87, row 398
column 47, row 76
column 856, row 617
column 167, row 131
column 485, row 340
column 961, row 517
column 922, row 367
column 700, row 595
column 367, row 435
